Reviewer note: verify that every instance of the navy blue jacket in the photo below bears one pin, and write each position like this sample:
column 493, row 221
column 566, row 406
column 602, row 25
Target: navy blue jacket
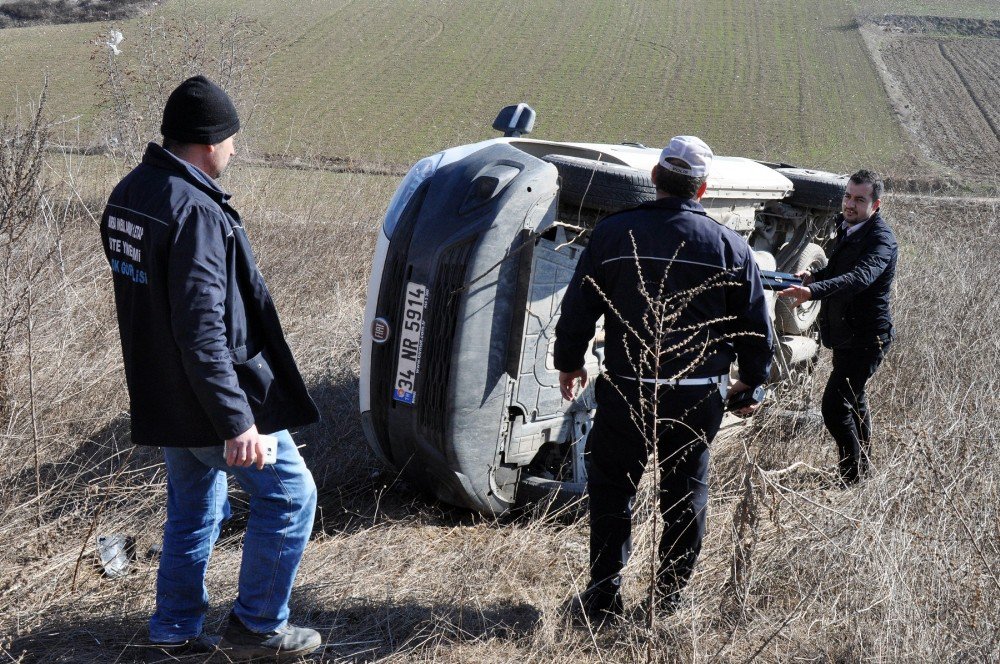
column 205, row 357
column 854, row 287
column 667, row 251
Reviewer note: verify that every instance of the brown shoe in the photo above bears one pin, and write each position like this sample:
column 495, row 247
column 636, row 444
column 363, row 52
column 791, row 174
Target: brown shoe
column 282, row 645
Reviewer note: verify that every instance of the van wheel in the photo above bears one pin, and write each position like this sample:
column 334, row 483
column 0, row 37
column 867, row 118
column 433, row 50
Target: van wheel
column 801, row 318
column 815, row 189
column 596, row 185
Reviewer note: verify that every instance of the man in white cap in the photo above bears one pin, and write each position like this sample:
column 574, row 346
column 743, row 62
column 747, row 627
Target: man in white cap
column 682, row 299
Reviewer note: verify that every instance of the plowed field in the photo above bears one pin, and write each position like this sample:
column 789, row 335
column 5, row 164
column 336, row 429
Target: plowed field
column 951, row 93
column 979, row 9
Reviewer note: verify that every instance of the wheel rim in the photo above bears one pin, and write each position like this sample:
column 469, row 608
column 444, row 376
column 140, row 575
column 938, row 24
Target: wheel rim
column 804, row 312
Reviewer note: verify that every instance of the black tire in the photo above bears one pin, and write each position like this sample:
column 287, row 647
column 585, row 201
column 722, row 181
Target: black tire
column 815, row 189
column 800, row 319
column 596, row 185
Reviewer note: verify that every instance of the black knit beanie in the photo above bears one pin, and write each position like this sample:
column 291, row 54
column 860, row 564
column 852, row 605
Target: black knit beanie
column 199, row 111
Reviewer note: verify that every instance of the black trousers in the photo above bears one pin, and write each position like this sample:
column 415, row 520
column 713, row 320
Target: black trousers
column 845, row 407
column 617, row 450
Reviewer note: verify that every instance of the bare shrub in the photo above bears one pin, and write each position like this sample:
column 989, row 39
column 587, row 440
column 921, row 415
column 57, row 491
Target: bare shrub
column 21, row 194
column 663, row 336
column 58, row 358
column 27, row 251
column 159, row 53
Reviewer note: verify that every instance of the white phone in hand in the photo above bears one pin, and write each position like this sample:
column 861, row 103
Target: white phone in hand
column 270, row 444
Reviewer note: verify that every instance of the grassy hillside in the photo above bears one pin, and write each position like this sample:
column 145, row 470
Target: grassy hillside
column 903, row 568
column 389, row 80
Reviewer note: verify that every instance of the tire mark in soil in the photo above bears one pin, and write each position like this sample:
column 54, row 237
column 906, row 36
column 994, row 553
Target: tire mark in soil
column 439, row 23
column 968, row 88
column 662, row 48
column 316, row 25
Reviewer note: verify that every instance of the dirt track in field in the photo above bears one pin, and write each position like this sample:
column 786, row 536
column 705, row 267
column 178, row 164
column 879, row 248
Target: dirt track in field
column 944, row 88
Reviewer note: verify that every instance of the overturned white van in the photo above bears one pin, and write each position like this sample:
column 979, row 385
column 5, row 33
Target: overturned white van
column 457, row 387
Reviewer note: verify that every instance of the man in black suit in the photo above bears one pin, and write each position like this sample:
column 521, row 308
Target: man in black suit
column 855, row 320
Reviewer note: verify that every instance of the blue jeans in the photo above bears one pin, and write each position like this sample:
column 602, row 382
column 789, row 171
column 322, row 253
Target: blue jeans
column 282, row 505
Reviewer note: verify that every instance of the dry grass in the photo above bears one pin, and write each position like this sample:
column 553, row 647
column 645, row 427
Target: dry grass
column 903, row 568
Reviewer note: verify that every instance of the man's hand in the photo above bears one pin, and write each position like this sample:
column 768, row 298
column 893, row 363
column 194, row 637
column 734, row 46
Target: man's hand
column 567, row 382
column 736, row 388
column 805, row 276
column 796, row 294
column 245, row 449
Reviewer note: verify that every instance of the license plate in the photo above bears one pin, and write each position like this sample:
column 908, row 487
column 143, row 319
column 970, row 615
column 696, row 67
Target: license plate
column 411, row 342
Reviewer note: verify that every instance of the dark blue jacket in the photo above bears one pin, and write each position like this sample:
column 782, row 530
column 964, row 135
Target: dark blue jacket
column 854, row 287
column 205, row 357
column 667, row 251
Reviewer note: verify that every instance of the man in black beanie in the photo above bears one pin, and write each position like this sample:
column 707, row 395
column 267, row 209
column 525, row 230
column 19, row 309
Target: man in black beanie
column 211, row 381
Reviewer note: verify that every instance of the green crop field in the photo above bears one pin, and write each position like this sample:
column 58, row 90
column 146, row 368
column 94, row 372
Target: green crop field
column 390, row 80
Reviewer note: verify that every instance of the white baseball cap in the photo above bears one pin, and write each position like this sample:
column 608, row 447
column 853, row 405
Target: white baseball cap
column 692, row 151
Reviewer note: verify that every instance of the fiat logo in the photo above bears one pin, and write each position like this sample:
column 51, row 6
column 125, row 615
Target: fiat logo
column 380, row 330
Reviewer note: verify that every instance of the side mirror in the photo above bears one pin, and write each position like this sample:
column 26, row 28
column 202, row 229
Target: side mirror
column 515, row 120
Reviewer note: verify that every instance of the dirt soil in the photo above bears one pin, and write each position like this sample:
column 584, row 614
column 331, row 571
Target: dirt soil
column 22, row 13
column 945, row 90
column 965, row 27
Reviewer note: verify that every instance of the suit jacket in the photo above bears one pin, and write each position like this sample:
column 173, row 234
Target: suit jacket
column 205, row 357
column 855, row 287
